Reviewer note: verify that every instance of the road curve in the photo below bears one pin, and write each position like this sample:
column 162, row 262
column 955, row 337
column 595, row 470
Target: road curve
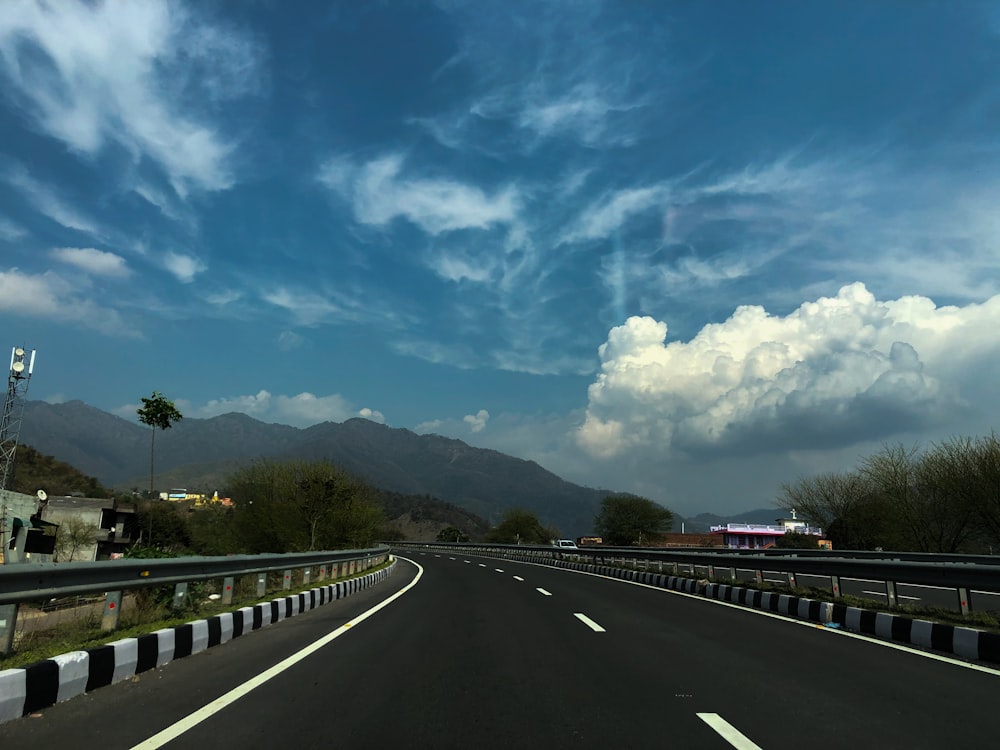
column 498, row 654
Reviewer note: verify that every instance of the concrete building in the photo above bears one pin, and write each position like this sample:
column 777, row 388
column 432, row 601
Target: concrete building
column 762, row 536
column 111, row 529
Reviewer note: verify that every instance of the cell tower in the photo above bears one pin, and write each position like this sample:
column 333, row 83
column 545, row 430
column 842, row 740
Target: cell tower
column 13, row 410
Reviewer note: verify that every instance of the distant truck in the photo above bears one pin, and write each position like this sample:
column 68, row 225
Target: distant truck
column 589, row 541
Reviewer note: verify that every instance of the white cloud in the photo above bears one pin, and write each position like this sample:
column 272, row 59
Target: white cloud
column 302, row 410
column 836, row 371
column 477, row 421
column 51, row 297
column 608, row 213
column 184, row 267
column 10, row 231
column 289, row 340
column 49, row 203
column 379, row 193
column 98, row 262
column 308, row 308
column 118, row 72
column 373, row 415
column 568, row 78
column 223, row 297
column 431, row 426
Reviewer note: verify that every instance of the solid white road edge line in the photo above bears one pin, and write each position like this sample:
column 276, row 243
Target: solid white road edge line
column 543, row 592
column 589, row 623
column 728, row 732
column 792, row 620
column 178, row 728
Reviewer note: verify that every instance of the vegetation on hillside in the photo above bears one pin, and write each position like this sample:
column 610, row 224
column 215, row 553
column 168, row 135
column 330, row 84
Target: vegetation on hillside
column 944, row 499
column 34, row 471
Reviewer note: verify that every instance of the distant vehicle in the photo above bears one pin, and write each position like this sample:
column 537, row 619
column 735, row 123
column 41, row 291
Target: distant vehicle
column 565, row 544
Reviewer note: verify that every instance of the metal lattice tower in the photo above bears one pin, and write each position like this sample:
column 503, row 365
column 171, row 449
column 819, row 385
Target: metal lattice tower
column 13, row 410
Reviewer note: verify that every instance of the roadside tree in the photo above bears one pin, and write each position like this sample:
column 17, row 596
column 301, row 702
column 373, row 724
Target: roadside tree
column 629, row 519
column 158, row 412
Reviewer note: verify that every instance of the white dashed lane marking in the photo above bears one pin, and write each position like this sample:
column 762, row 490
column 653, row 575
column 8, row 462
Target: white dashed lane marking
column 589, row 623
column 543, row 592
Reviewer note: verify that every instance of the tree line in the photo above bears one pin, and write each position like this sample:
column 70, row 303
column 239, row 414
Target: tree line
column 280, row 506
column 622, row 520
column 943, row 499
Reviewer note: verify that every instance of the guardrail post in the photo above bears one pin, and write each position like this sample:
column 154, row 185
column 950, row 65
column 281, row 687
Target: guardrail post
column 758, row 576
column 306, row 574
column 890, row 593
column 112, row 610
column 8, row 622
column 180, row 595
column 835, row 586
column 963, row 601
column 321, row 576
column 227, row 590
column 711, row 572
column 286, row 581
column 676, row 569
column 261, row 585
column 791, row 580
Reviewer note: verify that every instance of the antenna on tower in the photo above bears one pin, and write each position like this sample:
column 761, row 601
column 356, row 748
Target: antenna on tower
column 22, row 365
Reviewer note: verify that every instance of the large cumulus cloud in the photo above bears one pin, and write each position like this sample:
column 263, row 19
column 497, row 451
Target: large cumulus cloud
column 833, row 372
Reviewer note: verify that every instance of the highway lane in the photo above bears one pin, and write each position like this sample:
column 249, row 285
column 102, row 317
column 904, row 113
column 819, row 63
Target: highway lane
column 494, row 653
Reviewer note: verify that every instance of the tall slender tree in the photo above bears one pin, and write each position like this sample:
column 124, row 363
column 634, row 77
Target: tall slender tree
column 158, row 412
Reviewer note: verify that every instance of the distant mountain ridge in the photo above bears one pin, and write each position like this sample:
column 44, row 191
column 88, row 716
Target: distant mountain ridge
column 484, row 482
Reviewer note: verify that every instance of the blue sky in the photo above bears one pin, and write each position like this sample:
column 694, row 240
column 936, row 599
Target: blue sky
column 689, row 250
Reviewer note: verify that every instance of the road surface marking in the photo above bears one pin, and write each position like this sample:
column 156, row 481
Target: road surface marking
column 518, row 578
column 451, row 558
column 909, row 649
column 589, row 623
column 498, row 570
column 466, row 561
column 192, row 720
column 876, row 593
column 543, row 592
column 482, row 565
column 901, row 596
column 728, row 732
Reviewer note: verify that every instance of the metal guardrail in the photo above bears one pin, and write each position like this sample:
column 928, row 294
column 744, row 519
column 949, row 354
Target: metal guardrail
column 27, row 582
column 946, row 572
column 31, row 581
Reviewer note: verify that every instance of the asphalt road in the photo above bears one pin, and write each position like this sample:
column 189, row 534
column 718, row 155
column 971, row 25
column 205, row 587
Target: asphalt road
column 482, row 653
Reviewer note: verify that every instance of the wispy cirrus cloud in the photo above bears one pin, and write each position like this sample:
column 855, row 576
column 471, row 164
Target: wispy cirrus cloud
column 10, row 231
column 379, row 193
column 48, row 202
column 573, row 75
column 90, row 74
column 91, row 260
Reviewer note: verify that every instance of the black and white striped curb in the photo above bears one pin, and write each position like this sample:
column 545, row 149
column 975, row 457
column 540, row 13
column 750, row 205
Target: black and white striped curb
column 968, row 643
column 45, row 683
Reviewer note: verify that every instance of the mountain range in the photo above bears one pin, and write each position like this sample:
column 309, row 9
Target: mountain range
column 199, row 454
